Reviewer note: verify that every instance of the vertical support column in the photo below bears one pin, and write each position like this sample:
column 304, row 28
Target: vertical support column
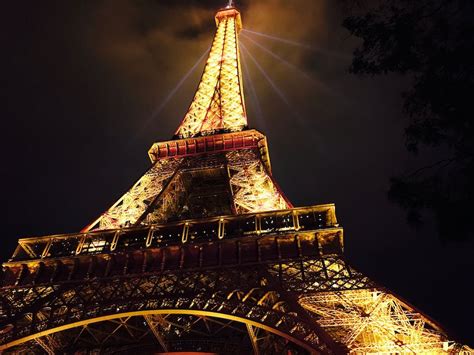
column 154, row 328
column 50, row 350
column 253, row 339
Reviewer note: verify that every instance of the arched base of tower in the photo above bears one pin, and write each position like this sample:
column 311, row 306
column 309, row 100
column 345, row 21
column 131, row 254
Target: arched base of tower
column 162, row 333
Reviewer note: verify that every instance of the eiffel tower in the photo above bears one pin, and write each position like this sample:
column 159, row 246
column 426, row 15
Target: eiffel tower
column 206, row 254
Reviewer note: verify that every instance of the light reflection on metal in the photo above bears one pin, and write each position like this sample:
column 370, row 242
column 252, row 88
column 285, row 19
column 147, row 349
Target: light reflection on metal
column 218, row 103
column 48, row 342
column 254, row 190
column 133, row 204
column 373, row 321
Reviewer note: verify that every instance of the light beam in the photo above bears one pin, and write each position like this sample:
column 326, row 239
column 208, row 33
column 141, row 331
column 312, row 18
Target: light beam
column 253, row 92
column 170, row 95
column 298, row 44
column 270, row 81
column 321, row 85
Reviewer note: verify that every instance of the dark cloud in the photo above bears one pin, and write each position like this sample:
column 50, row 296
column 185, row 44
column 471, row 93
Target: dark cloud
column 81, row 80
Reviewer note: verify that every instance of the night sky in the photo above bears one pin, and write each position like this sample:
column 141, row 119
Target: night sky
column 81, row 81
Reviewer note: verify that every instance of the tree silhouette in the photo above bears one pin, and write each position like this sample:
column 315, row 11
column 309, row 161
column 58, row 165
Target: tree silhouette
column 431, row 42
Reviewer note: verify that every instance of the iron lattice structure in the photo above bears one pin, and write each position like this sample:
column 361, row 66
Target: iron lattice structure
column 219, row 101
column 205, row 253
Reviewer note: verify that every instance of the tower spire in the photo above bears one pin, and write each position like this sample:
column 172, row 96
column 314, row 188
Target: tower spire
column 218, row 105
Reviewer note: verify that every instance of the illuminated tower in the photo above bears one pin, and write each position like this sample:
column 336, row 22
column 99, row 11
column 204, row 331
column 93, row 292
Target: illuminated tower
column 205, row 253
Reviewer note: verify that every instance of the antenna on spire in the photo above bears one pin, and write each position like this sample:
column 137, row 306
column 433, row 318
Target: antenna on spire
column 230, row 4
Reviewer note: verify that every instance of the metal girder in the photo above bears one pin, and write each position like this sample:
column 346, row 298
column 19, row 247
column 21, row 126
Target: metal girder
column 253, row 187
column 154, row 321
column 46, row 347
column 218, row 103
column 347, row 307
column 161, row 190
column 374, row 321
column 253, row 339
column 127, row 210
column 256, row 301
column 47, row 342
column 206, row 334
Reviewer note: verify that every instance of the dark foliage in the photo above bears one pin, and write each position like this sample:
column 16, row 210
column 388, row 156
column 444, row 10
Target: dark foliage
column 432, row 42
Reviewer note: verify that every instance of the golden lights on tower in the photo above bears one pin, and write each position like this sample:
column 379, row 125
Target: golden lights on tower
column 266, row 265
column 218, row 104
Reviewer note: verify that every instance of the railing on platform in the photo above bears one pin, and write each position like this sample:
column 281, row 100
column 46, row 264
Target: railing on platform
column 182, row 232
